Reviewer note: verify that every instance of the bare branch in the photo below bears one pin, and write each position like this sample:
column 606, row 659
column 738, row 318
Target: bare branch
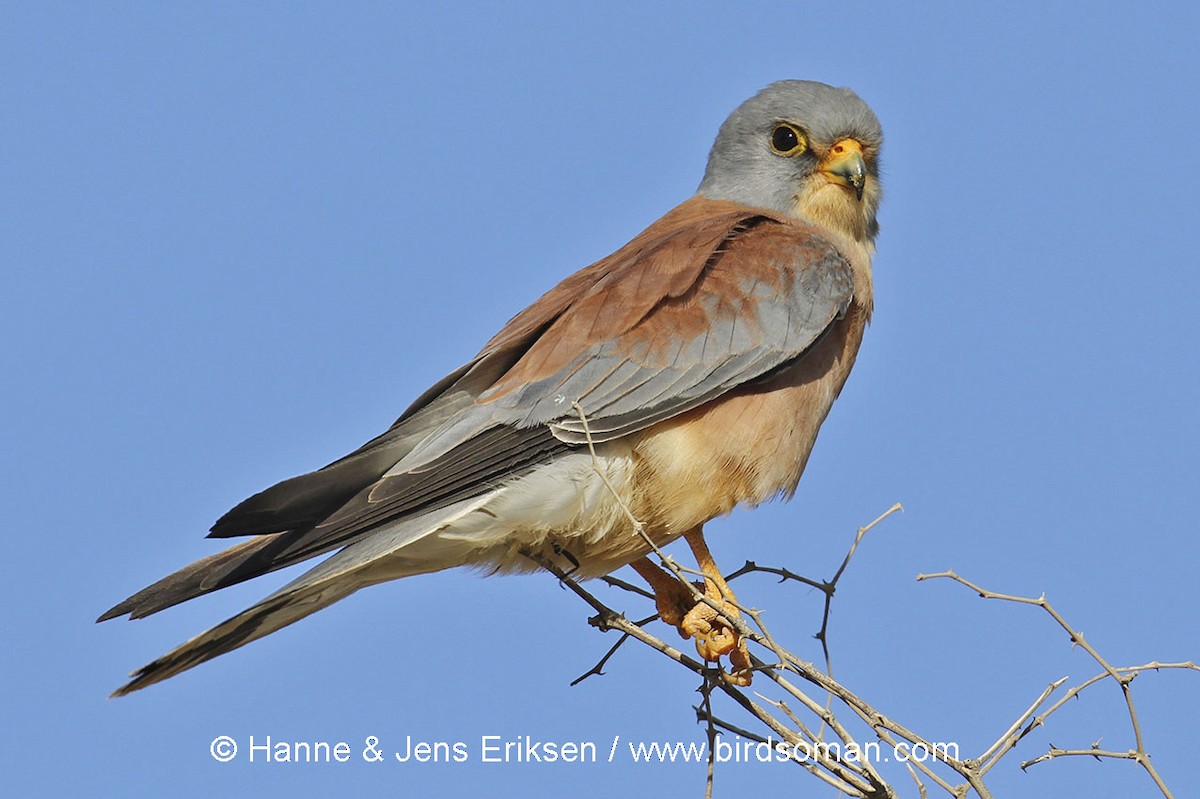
column 616, row 582
column 1015, row 733
column 1122, row 676
column 790, row 721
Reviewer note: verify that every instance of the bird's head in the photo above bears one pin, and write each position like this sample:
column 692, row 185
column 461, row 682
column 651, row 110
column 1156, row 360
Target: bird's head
column 802, row 149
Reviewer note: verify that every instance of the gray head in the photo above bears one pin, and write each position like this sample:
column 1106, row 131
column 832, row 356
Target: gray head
column 802, row 149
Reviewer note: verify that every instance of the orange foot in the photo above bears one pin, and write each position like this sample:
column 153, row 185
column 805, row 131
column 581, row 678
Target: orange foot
column 676, row 605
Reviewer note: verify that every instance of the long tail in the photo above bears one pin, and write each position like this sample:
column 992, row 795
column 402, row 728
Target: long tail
column 271, row 614
column 371, row 560
column 236, row 564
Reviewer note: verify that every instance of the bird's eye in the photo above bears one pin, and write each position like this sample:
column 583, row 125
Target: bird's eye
column 788, row 140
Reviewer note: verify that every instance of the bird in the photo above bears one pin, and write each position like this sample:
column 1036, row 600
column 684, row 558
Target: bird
column 684, row 375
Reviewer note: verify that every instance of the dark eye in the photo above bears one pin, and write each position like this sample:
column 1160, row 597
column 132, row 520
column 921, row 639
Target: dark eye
column 788, row 140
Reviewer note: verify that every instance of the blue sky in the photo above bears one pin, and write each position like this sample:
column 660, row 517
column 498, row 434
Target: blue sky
column 238, row 239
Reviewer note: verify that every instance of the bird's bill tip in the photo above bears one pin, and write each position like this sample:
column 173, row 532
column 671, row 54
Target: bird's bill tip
column 845, row 165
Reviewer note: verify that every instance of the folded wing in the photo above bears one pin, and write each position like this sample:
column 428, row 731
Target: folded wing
column 710, row 299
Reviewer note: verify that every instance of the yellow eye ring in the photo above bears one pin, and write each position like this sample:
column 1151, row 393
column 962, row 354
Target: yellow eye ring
column 788, row 139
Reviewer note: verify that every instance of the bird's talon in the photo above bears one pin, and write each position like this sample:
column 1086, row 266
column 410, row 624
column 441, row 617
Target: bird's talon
column 740, row 678
column 726, row 641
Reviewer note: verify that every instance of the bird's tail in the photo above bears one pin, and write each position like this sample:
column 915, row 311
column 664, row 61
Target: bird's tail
column 376, row 558
column 228, row 567
column 271, row 614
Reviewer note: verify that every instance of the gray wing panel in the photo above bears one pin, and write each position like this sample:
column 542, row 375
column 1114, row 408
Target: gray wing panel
column 749, row 314
column 621, row 393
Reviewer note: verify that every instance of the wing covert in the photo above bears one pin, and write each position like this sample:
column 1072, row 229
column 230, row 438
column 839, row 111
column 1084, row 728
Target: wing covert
column 762, row 298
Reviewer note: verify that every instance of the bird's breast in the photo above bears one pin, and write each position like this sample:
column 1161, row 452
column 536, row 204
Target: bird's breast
column 746, row 447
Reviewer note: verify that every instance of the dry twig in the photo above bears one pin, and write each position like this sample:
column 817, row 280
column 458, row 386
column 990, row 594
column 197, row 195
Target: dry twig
column 829, row 749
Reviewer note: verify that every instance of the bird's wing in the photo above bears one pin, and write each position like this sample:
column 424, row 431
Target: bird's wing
column 711, row 298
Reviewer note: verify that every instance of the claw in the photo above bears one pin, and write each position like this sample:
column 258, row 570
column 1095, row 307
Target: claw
column 715, row 638
column 701, row 621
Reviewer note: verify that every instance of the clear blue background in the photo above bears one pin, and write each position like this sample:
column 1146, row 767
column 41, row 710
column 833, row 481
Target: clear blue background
column 238, row 239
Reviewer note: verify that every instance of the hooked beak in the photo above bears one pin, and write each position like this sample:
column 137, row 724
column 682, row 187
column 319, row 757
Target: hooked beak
column 844, row 164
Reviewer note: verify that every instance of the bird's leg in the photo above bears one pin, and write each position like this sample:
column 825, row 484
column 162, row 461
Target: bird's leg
column 672, row 599
column 678, row 607
column 713, row 636
column 563, row 552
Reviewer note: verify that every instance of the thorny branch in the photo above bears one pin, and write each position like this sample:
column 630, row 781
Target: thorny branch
column 831, row 752
column 825, row 756
column 1122, row 675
